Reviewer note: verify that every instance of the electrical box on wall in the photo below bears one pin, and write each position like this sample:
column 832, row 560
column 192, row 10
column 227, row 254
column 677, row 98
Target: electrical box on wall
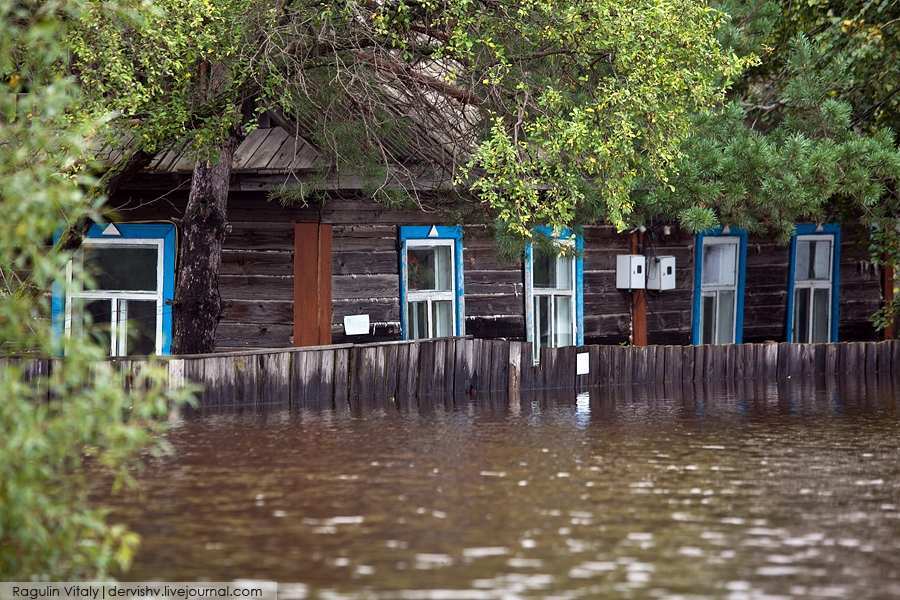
column 631, row 272
column 661, row 273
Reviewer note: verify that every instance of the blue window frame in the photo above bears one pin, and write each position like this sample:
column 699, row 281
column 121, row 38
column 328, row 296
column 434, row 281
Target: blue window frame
column 128, row 302
column 720, row 258
column 554, row 293
column 431, row 282
column 813, row 309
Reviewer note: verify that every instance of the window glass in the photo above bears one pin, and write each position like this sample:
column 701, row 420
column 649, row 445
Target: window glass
column 564, row 275
column 719, row 264
column 442, row 318
column 418, row 320
column 542, row 320
column 119, row 267
column 137, row 327
column 725, row 317
column 544, row 268
column 813, row 260
column 429, row 268
column 94, row 318
column 563, row 320
column 820, row 315
column 801, row 314
column 707, row 309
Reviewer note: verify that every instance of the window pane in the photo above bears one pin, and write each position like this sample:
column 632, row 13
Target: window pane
column 131, row 268
column 725, row 324
column 137, row 327
column 417, row 318
column 442, row 315
column 92, row 318
column 563, row 321
column 707, row 322
column 420, row 268
column 813, row 260
column 542, row 320
column 821, row 310
column 719, row 264
column 801, row 315
column 444, row 268
column 544, row 265
column 429, row 268
column 564, row 274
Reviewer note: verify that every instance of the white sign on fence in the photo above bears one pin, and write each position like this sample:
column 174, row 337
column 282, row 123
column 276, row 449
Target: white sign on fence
column 582, row 363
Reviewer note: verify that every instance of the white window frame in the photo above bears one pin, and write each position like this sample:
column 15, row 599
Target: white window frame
column 430, row 296
column 531, row 314
column 813, row 284
column 708, row 290
column 118, row 335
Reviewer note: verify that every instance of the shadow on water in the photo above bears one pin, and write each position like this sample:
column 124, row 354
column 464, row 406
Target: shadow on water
column 744, row 490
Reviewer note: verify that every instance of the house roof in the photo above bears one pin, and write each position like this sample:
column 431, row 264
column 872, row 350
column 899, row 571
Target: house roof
column 266, row 151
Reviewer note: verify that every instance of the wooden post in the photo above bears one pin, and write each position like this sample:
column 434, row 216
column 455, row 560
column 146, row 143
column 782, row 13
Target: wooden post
column 887, row 281
column 638, row 300
column 312, row 284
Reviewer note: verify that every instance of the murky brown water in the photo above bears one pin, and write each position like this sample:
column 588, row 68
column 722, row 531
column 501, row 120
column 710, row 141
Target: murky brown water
column 628, row 493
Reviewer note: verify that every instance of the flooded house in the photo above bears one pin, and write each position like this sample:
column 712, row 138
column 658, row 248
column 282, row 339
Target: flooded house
column 342, row 268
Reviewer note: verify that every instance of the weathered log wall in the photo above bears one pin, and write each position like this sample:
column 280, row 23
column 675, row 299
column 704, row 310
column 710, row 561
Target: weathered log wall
column 765, row 301
column 257, row 285
column 401, row 374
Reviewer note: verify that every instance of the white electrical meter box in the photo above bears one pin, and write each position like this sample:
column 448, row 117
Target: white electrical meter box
column 630, row 272
column 661, row 273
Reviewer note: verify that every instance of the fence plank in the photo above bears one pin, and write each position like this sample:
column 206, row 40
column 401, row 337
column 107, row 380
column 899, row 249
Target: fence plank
column 341, row 379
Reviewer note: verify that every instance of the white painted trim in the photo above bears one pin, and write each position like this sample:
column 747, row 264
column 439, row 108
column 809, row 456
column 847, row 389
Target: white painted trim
column 713, row 290
column 430, row 296
column 531, row 291
column 813, row 284
column 115, row 295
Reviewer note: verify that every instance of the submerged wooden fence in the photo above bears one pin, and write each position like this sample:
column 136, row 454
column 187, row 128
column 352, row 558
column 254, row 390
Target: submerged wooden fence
column 399, row 374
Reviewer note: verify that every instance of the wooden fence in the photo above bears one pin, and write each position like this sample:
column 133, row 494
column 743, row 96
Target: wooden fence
column 400, row 374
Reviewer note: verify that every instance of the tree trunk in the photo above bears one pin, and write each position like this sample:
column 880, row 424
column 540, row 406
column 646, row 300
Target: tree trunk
column 198, row 306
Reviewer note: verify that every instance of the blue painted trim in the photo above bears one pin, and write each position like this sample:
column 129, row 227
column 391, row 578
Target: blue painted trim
column 834, row 230
column 547, row 231
column 444, row 232
column 741, row 234
column 148, row 231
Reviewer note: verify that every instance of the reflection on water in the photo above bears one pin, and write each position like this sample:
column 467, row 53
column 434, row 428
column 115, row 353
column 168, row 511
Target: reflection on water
column 635, row 492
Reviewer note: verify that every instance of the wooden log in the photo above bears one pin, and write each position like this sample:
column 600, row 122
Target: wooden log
column 426, row 368
column 341, row 379
column 586, row 381
column 514, row 380
column 440, row 366
column 687, row 363
column 831, row 360
column 379, row 384
column 275, row 378
column 450, row 368
column 527, row 365
column 326, row 378
column 626, row 372
column 883, row 351
column 871, row 360
column 641, row 363
column 699, row 363
column 501, row 359
column 660, row 355
column 895, row 360
column 783, row 369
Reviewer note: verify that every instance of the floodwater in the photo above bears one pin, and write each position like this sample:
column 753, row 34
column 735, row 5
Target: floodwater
column 644, row 493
